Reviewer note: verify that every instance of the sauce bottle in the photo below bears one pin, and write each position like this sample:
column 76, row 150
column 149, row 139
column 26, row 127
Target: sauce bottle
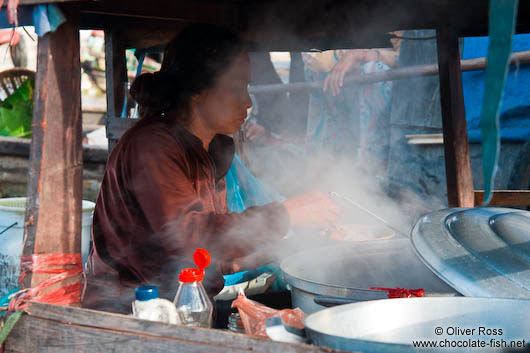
column 194, row 308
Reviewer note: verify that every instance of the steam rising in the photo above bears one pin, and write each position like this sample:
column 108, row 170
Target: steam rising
column 398, row 192
column 292, row 171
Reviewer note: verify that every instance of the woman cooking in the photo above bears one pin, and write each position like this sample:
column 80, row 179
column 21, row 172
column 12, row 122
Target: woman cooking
column 163, row 194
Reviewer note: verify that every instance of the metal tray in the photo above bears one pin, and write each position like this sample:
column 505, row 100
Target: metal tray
column 391, row 325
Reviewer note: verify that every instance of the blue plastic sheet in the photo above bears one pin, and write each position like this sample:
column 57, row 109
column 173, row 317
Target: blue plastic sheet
column 244, row 190
column 514, row 119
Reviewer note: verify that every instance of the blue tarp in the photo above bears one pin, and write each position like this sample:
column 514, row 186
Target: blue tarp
column 244, row 190
column 515, row 109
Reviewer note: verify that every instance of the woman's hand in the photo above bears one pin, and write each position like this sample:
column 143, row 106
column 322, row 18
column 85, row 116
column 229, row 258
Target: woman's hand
column 313, row 210
column 257, row 133
column 246, row 263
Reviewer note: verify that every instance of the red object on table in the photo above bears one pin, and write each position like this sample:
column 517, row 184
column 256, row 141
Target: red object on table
column 401, row 292
column 254, row 314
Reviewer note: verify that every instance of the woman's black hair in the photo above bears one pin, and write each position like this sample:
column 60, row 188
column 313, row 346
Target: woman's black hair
column 192, row 62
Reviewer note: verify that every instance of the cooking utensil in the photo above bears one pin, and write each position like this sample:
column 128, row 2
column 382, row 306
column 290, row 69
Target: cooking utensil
column 364, row 209
column 364, row 232
column 8, row 227
column 348, row 270
column 392, row 325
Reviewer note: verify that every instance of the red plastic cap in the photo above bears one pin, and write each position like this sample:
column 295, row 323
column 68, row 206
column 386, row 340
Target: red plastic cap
column 190, row 275
column 202, row 259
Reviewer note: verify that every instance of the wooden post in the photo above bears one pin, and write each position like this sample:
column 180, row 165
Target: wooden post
column 55, row 183
column 460, row 191
column 116, row 75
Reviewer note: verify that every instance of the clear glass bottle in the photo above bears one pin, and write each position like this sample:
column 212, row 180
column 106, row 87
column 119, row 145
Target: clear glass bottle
column 194, row 308
column 235, row 323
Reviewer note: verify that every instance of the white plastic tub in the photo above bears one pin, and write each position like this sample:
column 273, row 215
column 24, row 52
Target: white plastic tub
column 11, row 242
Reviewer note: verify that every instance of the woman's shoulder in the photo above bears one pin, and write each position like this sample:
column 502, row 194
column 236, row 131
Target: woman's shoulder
column 148, row 137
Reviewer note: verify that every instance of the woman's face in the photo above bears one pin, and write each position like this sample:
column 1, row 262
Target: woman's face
column 223, row 108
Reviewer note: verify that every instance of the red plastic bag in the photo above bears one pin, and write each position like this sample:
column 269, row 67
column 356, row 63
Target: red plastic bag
column 254, row 314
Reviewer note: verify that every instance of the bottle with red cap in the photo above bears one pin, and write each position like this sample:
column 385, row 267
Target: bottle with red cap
column 194, row 308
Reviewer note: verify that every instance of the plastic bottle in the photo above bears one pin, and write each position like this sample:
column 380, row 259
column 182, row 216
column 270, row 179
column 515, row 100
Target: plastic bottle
column 148, row 306
column 194, row 308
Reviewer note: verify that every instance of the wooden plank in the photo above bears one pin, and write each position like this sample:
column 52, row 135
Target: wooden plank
column 505, row 197
column 13, row 146
column 144, row 25
column 297, row 24
column 44, row 336
column 116, row 74
column 53, row 210
column 456, row 147
column 425, row 139
column 351, row 24
column 220, row 12
column 50, row 328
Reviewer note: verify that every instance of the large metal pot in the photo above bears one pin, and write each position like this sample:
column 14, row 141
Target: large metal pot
column 393, row 325
column 348, row 270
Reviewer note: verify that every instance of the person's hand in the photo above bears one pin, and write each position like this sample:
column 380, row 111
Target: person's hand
column 257, row 133
column 335, row 78
column 313, row 210
column 246, row 263
column 351, row 61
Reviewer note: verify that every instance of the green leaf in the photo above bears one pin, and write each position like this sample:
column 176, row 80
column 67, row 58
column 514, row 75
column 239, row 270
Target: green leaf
column 23, row 93
column 16, row 112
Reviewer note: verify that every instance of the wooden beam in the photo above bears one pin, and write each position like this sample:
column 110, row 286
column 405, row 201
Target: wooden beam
column 220, row 12
column 296, row 24
column 116, row 74
column 51, row 328
column 505, row 197
column 53, row 209
column 457, row 161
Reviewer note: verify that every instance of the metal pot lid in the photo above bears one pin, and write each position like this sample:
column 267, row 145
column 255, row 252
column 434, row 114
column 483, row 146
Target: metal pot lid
column 481, row 252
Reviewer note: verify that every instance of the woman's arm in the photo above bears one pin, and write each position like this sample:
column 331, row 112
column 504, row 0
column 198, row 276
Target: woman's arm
column 182, row 211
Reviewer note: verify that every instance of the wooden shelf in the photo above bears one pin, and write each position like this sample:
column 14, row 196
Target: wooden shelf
column 505, row 198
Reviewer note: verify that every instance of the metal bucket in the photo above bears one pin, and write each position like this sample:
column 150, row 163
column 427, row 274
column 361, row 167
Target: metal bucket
column 396, row 325
column 348, row 270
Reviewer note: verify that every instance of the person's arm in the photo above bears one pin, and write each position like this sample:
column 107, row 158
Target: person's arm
column 180, row 218
column 350, row 60
column 169, row 201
